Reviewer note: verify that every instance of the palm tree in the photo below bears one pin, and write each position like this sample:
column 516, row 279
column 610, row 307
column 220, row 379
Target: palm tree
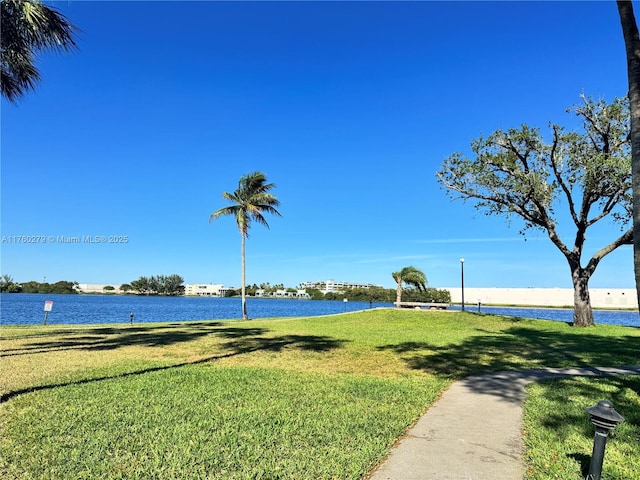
column 411, row 276
column 250, row 200
column 29, row 26
column 632, row 47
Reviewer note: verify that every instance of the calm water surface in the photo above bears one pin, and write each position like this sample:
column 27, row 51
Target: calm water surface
column 28, row 309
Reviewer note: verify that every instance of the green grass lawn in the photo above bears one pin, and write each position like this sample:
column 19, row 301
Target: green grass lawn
column 559, row 434
column 308, row 398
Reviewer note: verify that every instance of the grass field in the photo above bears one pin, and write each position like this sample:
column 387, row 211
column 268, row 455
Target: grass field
column 559, row 434
column 308, row 398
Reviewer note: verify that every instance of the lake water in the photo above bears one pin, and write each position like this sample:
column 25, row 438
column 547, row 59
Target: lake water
column 28, row 309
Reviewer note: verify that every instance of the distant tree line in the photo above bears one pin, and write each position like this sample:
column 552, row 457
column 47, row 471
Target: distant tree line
column 371, row 294
column 157, row 285
column 386, row 295
column 8, row 285
column 173, row 285
column 58, row 287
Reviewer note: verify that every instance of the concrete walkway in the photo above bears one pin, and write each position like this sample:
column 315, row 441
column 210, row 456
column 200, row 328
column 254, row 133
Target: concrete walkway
column 473, row 432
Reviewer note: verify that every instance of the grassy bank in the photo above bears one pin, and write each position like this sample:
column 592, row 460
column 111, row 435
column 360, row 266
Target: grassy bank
column 282, row 398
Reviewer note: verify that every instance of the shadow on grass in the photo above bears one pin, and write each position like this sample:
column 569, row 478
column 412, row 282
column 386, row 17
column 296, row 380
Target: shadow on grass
column 556, row 393
column 563, row 419
column 110, row 338
column 583, row 460
column 519, row 347
column 241, row 341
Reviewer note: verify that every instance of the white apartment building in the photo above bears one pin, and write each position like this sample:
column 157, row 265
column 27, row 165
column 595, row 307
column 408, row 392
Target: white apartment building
column 280, row 293
column 333, row 286
column 205, row 290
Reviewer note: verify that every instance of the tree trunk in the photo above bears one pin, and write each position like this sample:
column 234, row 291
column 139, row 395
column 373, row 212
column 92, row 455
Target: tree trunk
column 582, row 312
column 398, row 294
column 245, row 316
column 632, row 46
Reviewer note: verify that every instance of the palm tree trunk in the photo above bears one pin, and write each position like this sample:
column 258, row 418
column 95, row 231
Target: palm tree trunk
column 399, row 294
column 632, row 45
column 245, row 316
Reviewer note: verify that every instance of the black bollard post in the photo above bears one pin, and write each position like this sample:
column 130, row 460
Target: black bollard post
column 604, row 418
column 131, row 318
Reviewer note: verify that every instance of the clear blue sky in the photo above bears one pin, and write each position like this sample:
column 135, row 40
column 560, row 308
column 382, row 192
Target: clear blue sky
column 350, row 108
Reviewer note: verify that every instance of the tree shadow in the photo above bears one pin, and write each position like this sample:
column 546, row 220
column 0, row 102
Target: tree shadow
column 560, row 426
column 621, row 401
column 243, row 340
column 110, row 338
column 516, row 348
column 314, row 343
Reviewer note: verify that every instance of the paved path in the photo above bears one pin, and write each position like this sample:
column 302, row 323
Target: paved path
column 473, row 432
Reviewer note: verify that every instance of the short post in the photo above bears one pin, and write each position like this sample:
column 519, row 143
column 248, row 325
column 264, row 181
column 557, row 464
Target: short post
column 479, row 302
column 604, row 418
column 462, row 281
column 131, row 318
column 48, row 306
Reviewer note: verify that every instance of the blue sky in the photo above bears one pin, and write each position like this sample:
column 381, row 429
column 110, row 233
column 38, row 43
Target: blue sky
column 348, row 107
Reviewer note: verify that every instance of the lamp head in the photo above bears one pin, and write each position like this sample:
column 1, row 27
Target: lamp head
column 604, row 416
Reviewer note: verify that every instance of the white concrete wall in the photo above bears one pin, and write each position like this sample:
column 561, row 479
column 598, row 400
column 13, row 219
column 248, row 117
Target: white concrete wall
column 97, row 288
column 548, row 297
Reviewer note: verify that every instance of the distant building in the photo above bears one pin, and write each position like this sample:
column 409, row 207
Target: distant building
column 333, row 286
column 223, row 290
column 205, row 290
column 299, row 294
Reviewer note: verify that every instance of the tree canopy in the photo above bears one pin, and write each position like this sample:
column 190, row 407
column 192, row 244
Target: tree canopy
column 157, row 285
column 411, row 276
column 576, row 178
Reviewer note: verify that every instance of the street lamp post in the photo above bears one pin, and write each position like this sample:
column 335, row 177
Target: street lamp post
column 462, row 280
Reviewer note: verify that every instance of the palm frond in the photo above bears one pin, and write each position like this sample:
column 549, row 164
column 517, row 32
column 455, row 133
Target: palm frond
column 230, row 210
column 411, row 276
column 27, row 27
column 250, row 202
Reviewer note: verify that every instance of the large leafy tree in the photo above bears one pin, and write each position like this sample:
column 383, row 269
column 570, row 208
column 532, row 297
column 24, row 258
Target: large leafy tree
column 141, row 285
column 8, row 285
column 584, row 173
column 409, row 276
column 29, row 26
column 250, row 201
column 632, row 46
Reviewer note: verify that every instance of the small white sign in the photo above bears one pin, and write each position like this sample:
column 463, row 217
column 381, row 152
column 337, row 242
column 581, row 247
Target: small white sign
column 48, row 305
